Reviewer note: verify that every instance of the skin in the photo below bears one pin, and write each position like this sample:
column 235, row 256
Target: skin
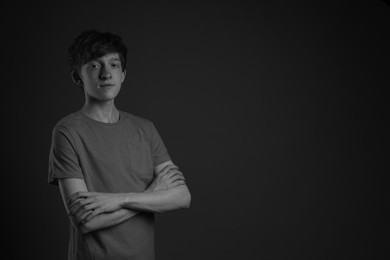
column 167, row 192
column 102, row 79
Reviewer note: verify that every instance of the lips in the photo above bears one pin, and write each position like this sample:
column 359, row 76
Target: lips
column 106, row 85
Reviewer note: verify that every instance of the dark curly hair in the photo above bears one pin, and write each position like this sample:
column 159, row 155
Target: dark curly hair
column 92, row 44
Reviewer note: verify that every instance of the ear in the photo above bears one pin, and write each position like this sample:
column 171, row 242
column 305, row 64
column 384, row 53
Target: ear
column 76, row 78
column 123, row 75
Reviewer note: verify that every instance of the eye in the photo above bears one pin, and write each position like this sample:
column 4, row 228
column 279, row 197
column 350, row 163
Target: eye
column 116, row 65
column 94, row 65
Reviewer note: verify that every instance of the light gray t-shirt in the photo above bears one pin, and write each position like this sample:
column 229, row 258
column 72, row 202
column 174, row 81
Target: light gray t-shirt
column 109, row 157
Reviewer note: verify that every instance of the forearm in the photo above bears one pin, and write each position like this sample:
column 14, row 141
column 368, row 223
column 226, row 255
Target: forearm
column 159, row 201
column 106, row 220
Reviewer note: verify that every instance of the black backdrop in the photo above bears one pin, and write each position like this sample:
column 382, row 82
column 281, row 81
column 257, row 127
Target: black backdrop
column 276, row 113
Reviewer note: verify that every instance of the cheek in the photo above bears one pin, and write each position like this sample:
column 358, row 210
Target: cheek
column 89, row 84
column 90, row 78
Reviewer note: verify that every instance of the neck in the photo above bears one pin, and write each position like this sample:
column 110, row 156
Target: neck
column 105, row 112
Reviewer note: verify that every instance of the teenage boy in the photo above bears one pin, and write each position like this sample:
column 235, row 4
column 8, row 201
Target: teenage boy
column 113, row 170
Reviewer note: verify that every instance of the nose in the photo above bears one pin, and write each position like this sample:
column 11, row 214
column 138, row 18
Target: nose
column 105, row 73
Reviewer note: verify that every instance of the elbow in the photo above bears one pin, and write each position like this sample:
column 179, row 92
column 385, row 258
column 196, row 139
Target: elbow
column 181, row 199
column 186, row 200
column 187, row 204
column 83, row 229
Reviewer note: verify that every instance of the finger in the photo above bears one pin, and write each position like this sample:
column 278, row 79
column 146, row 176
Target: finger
column 180, row 177
column 166, row 169
column 81, row 211
column 168, row 166
column 83, row 203
column 77, row 211
column 83, row 217
column 74, row 206
column 176, row 178
column 178, row 183
column 82, row 196
column 174, row 170
column 169, row 175
column 72, row 198
column 179, row 173
column 77, row 195
column 173, row 173
column 92, row 206
column 93, row 214
column 78, row 216
column 79, row 203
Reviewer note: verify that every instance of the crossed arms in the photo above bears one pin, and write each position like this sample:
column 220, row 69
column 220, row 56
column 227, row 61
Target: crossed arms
column 91, row 211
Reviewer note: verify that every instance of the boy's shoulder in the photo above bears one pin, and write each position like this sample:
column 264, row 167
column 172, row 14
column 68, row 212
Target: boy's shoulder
column 136, row 120
column 70, row 119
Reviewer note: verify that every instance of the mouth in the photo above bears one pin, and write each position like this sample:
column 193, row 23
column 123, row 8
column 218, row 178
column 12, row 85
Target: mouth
column 106, row 85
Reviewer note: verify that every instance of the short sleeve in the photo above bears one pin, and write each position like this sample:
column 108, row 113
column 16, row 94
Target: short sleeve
column 63, row 160
column 160, row 152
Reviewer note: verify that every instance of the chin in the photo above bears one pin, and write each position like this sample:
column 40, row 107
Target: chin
column 108, row 96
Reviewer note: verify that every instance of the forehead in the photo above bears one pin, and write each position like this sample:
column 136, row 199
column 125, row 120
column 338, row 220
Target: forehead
column 107, row 57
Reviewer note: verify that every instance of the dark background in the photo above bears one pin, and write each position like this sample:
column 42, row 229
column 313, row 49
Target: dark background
column 276, row 112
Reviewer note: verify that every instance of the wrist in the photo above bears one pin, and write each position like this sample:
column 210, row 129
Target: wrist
column 126, row 199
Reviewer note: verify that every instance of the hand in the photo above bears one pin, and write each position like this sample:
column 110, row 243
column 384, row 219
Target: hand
column 83, row 206
column 167, row 178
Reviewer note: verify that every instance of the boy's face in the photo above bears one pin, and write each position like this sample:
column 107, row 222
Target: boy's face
column 102, row 77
